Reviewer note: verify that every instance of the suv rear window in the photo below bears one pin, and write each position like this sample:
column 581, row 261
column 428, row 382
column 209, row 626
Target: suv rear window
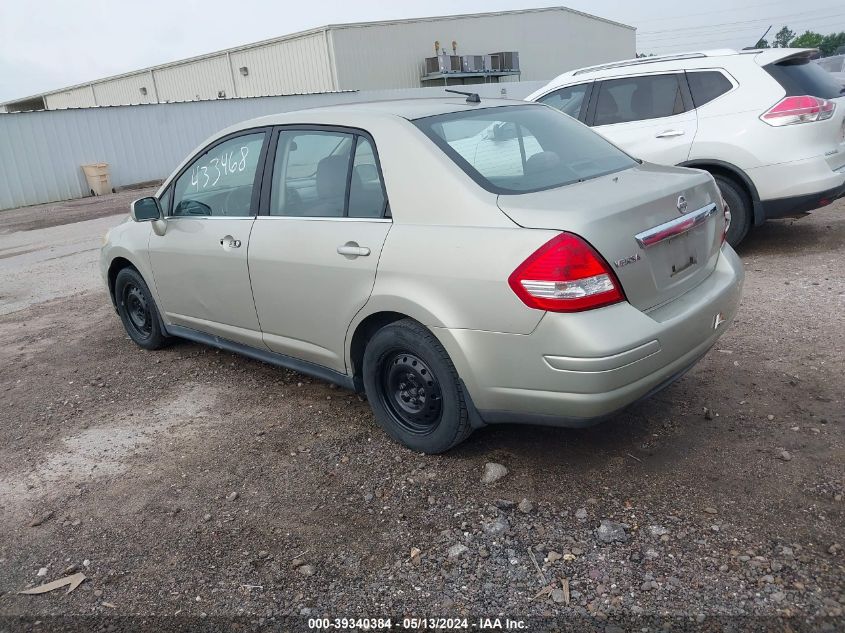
column 523, row 148
column 799, row 76
column 706, row 85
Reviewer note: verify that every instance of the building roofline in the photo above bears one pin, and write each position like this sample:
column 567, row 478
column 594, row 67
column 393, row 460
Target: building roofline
column 306, row 33
column 456, row 16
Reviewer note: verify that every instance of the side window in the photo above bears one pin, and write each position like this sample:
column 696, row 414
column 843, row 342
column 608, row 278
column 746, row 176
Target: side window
column 707, row 85
column 220, row 181
column 164, row 201
column 638, row 98
column 366, row 193
column 568, row 100
column 310, row 174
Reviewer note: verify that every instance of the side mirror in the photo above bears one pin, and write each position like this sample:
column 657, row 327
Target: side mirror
column 145, row 209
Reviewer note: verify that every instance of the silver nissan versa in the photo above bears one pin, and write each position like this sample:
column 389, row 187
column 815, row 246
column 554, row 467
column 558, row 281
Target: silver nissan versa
column 462, row 262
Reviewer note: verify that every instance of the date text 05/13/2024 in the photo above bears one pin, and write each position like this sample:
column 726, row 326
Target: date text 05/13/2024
column 413, row 624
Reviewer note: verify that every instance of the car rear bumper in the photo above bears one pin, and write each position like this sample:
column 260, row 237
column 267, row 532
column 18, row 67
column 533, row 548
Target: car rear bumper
column 799, row 205
column 795, row 187
column 577, row 369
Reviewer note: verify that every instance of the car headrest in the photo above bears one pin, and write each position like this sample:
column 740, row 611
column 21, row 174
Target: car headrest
column 331, row 176
column 642, row 102
column 607, row 106
column 541, row 161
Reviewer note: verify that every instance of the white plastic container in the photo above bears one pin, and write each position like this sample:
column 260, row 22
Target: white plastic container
column 97, row 175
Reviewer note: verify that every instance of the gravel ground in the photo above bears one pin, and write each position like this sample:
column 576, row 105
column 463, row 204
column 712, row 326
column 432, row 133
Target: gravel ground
column 193, row 487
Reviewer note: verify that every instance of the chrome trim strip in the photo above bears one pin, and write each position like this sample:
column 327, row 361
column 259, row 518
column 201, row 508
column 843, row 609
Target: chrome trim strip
column 209, row 217
column 321, row 219
column 676, row 227
column 274, row 217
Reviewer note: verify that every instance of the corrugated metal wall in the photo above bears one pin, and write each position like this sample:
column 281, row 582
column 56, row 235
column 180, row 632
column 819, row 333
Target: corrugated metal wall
column 296, row 65
column 41, row 153
column 549, row 42
column 126, row 90
column 368, row 56
column 82, row 97
column 202, row 79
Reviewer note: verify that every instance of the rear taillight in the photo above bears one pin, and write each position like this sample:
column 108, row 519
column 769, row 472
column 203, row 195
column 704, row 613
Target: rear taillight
column 726, row 210
column 804, row 109
column 565, row 275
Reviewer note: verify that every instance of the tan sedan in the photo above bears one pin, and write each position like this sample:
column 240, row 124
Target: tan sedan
column 461, row 262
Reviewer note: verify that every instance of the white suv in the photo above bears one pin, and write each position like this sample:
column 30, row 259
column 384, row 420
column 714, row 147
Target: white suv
column 767, row 124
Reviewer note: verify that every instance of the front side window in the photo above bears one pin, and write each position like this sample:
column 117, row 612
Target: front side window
column 326, row 174
column 569, row 100
column 517, row 149
column 220, row 182
column 638, row 99
column 164, row 201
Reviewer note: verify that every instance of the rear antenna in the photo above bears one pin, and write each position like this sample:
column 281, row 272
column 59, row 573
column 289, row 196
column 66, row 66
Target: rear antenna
column 472, row 97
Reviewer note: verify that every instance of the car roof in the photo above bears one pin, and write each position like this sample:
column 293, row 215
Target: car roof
column 352, row 114
column 681, row 61
column 418, row 108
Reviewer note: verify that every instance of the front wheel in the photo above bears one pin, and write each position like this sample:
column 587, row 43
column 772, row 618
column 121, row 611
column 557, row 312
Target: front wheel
column 137, row 310
column 414, row 389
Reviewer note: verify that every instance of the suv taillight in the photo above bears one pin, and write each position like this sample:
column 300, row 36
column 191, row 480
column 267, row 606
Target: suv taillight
column 565, row 275
column 803, row 109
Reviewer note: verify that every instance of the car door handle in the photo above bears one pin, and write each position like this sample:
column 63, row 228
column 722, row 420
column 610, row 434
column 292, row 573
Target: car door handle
column 229, row 242
column 351, row 249
column 670, row 133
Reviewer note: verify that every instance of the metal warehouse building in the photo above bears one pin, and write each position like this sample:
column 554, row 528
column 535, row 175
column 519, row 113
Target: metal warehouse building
column 472, row 48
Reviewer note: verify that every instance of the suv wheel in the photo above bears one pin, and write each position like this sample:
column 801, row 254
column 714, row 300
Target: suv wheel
column 740, row 205
column 414, row 389
column 137, row 310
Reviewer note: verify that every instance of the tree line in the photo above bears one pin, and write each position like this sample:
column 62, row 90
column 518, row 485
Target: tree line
column 786, row 38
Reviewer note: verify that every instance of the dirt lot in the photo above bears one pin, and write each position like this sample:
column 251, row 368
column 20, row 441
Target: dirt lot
column 193, row 486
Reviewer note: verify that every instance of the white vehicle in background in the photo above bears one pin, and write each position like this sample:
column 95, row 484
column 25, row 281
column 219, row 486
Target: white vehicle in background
column 768, row 124
column 835, row 65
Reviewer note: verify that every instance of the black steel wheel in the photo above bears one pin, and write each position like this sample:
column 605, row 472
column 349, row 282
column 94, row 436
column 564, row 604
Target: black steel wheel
column 414, row 389
column 411, row 392
column 137, row 310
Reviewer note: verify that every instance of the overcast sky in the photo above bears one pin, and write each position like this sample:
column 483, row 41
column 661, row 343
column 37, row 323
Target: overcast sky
column 50, row 44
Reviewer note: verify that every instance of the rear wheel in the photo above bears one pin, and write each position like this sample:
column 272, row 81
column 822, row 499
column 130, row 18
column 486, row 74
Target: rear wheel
column 414, row 389
column 137, row 310
column 740, row 205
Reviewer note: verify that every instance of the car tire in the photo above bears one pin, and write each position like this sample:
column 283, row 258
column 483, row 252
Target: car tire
column 414, row 389
column 740, row 205
column 138, row 310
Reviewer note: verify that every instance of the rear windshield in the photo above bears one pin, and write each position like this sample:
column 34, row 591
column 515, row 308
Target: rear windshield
column 800, row 76
column 519, row 149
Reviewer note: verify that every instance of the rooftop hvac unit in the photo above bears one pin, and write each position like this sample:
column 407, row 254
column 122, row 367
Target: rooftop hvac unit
column 472, row 63
column 443, row 63
column 505, row 61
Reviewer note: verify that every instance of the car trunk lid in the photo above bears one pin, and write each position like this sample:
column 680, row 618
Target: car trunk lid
column 632, row 218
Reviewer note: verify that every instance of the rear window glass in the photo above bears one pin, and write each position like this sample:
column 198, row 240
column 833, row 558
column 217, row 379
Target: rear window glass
column 802, row 77
column 518, row 149
column 707, row 85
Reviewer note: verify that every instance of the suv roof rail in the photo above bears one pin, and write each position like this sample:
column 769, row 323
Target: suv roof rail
column 650, row 60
